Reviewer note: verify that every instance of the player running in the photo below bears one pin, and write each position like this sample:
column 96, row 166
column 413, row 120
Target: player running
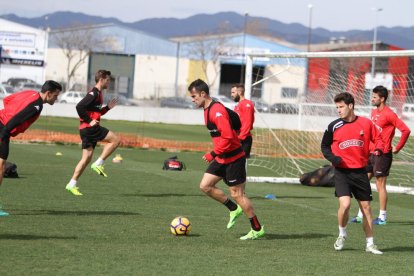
column 90, row 111
column 20, row 111
column 227, row 161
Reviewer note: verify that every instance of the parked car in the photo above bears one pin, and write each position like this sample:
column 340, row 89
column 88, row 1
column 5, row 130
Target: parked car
column 122, row 100
column 30, row 86
column 227, row 102
column 177, row 102
column 6, row 90
column 18, row 82
column 260, row 105
column 408, row 111
column 286, row 108
column 71, row 97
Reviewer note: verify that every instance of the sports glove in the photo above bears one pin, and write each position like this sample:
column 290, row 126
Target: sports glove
column 209, row 156
column 336, row 160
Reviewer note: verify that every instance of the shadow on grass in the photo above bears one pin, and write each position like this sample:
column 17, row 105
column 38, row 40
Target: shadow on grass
column 189, row 236
column 73, row 213
column 161, row 195
column 399, row 249
column 33, row 237
column 401, row 223
column 305, row 236
column 286, row 197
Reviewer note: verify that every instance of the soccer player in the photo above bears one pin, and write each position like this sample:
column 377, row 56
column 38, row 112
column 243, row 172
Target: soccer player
column 245, row 109
column 90, row 111
column 345, row 144
column 379, row 166
column 227, row 161
column 20, row 111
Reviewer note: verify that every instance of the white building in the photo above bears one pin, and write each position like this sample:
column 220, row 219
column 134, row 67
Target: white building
column 23, row 52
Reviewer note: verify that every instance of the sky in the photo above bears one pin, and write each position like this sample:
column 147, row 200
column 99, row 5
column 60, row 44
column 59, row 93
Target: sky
column 334, row 15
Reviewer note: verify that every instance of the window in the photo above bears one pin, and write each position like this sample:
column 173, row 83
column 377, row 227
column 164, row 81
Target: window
column 288, row 92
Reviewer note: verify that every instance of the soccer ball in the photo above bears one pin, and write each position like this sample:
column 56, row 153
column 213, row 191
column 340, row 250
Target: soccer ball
column 180, row 226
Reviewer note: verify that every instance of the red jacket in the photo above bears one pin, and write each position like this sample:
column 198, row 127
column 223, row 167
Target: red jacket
column 245, row 109
column 226, row 140
column 387, row 121
column 90, row 108
column 349, row 142
column 20, row 111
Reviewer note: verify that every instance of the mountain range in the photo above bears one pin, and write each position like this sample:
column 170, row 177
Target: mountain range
column 224, row 21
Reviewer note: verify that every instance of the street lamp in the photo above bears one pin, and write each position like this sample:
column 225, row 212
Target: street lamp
column 244, row 48
column 310, row 7
column 374, row 43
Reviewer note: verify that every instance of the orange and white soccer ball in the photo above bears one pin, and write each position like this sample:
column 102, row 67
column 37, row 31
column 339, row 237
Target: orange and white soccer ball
column 180, row 226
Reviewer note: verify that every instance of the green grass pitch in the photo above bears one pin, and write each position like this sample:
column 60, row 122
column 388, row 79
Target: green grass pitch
column 121, row 224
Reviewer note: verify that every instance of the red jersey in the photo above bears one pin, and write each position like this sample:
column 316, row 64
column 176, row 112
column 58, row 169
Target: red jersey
column 245, row 109
column 350, row 141
column 227, row 146
column 90, row 108
column 387, row 121
column 20, row 111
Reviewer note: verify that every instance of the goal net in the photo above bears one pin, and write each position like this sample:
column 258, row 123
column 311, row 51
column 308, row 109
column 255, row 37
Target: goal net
column 300, row 87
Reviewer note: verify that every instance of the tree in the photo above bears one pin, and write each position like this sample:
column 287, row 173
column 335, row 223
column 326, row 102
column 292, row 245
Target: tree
column 208, row 48
column 77, row 44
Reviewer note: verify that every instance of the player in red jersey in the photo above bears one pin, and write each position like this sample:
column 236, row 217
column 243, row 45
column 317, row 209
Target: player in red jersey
column 90, row 111
column 346, row 144
column 379, row 166
column 245, row 109
column 227, row 161
column 20, row 111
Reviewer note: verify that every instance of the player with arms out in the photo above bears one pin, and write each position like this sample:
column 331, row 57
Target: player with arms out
column 245, row 109
column 379, row 166
column 90, row 111
column 345, row 144
column 227, row 161
column 20, row 111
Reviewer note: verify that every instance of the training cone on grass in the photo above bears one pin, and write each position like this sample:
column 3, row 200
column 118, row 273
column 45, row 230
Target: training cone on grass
column 59, row 153
column 117, row 159
column 270, row 196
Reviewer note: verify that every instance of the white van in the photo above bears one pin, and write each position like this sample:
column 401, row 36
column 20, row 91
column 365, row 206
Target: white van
column 408, row 111
column 71, row 97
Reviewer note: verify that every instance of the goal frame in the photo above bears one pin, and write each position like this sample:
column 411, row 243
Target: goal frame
column 340, row 54
column 315, row 55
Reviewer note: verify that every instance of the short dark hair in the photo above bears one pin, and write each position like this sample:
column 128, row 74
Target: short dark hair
column 51, row 86
column 102, row 74
column 345, row 97
column 381, row 91
column 239, row 86
column 199, row 86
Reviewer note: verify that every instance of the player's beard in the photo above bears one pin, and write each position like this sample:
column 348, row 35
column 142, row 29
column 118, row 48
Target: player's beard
column 376, row 104
column 237, row 99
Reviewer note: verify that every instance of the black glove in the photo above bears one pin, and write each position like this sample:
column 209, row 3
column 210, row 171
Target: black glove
column 336, row 160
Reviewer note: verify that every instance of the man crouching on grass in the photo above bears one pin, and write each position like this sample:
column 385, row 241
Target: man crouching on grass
column 345, row 144
column 227, row 161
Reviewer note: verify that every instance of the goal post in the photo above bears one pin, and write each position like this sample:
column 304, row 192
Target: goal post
column 300, row 87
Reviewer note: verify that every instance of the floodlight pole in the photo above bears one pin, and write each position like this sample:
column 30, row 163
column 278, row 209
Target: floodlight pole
column 244, row 48
column 374, row 46
column 310, row 6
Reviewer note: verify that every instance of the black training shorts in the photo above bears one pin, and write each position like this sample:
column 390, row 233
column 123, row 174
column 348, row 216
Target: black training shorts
column 380, row 165
column 233, row 173
column 4, row 146
column 92, row 135
column 354, row 182
column 247, row 145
